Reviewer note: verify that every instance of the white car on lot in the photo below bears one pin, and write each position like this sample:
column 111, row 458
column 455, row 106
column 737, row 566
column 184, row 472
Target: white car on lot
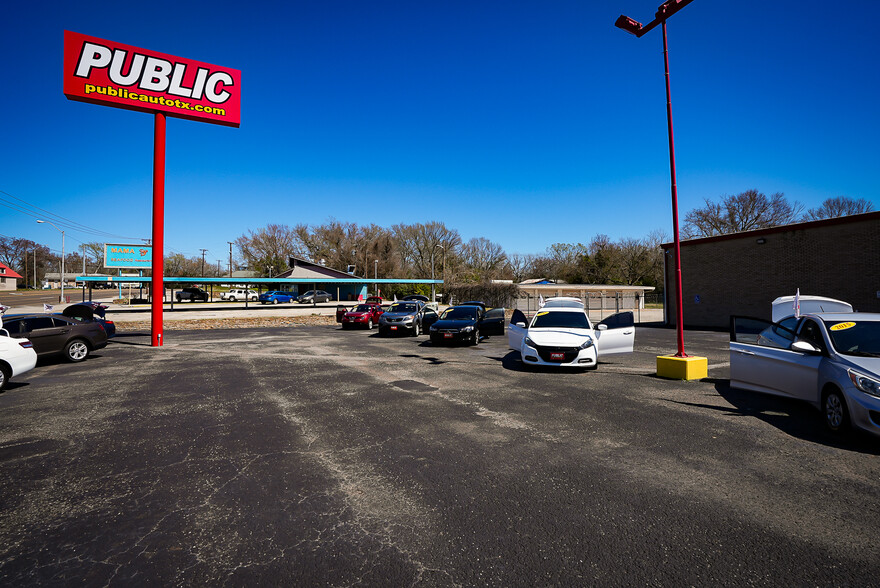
column 239, row 294
column 561, row 334
column 829, row 359
column 17, row 356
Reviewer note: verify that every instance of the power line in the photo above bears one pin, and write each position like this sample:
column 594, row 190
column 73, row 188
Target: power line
column 31, row 210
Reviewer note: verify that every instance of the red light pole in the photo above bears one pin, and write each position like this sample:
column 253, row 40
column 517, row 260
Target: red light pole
column 629, row 25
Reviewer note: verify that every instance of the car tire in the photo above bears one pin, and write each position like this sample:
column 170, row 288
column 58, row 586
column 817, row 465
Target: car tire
column 834, row 412
column 369, row 324
column 476, row 339
column 5, row 374
column 274, row 301
column 417, row 329
column 76, row 350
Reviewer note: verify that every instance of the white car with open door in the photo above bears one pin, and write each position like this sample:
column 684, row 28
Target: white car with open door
column 829, row 359
column 561, row 334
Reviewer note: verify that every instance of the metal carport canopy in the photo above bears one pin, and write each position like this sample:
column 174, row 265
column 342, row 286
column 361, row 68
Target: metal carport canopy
column 196, row 280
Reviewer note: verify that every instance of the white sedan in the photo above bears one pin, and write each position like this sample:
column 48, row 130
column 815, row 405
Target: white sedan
column 561, row 334
column 17, row 356
column 829, row 359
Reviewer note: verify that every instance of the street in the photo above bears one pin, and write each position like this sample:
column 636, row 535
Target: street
column 309, row 456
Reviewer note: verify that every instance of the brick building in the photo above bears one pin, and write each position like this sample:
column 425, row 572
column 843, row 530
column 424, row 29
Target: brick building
column 742, row 273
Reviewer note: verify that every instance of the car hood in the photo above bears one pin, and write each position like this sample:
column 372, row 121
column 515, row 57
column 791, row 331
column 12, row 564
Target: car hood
column 870, row 365
column 559, row 337
column 454, row 324
column 356, row 314
column 397, row 314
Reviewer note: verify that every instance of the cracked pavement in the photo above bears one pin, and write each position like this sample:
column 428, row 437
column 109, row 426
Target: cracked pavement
column 310, row 456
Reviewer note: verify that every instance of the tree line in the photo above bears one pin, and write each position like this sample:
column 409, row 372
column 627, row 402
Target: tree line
column 423, row 250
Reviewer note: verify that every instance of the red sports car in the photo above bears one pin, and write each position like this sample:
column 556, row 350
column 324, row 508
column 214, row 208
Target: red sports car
column 365, row 315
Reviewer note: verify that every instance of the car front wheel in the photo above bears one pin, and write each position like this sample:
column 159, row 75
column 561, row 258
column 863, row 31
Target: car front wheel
column 476, row 339
column 76, row 350
column 232, row 298
column 834, row 409
column 274, row 301
column 417, row 329
column 5, row 374
column 370, row 324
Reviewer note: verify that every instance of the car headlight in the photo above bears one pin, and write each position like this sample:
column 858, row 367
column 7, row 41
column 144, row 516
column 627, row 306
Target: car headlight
column 433, row 329
column 529, row 342
column 587, row 344
column 467, row 329
column 865, row 383
column 409, row 318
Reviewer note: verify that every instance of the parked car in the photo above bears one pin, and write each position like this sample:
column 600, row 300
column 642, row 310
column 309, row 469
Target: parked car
column 91, row 311
column 561, row 334
column 17, row 356
column 239, row 294
column 419, row 297
column 829, row 359
column 54, row 334
column 410, row 316
column 457, row 324
column 315, row 296
column 277, row 296
column 192, row 294
column 365, row 315
column 373, row 300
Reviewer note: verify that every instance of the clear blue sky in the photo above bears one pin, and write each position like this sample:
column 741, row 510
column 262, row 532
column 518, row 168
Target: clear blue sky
column 527, row 123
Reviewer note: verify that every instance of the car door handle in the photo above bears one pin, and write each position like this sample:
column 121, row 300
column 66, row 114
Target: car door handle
column 744, row 352
column 627, row 332
column 63, row 331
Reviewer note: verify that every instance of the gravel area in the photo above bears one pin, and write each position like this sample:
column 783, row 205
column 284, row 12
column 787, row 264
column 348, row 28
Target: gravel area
column 229, row 323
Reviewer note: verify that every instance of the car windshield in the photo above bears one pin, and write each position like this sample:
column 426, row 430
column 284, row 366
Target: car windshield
column 403, row 307
column 309, row 293
column 860, row 338
column 459, row 314
column 363, row 308
column 565, row 320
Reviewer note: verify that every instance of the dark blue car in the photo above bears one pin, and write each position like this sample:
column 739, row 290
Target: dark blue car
column 277, row 296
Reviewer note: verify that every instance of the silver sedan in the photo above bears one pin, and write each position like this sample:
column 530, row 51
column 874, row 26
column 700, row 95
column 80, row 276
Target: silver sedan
column 831, row 360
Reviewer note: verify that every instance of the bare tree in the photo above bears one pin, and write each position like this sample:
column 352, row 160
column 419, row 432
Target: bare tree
column 266, row 250
column 746, row 211
column 839, row 206
column 420, row 242
column 520, row 265
column 483, row 259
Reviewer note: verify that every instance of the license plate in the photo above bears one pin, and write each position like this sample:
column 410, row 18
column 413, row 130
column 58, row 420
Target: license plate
column 393, row 328
column 447, row 335
column 557, row 356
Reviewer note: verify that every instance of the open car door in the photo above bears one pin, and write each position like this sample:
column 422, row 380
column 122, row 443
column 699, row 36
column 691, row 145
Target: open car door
column 516, row 330
column 761, row 359
column 616, row 334
column 492, row 322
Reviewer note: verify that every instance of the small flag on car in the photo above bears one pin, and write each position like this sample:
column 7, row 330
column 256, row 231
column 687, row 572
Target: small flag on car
column 797, row 304
column 4, row 308
column 47, row 307
column 540, row 300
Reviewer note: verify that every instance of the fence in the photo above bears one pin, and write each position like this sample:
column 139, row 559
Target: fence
column 601, row 305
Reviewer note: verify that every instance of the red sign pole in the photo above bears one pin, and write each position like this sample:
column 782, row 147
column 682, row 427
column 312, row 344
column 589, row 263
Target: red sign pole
column 158, row 283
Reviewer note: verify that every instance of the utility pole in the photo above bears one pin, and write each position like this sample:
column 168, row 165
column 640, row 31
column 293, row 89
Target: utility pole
column 230, row 259
column 219, row 261
column 203, row 261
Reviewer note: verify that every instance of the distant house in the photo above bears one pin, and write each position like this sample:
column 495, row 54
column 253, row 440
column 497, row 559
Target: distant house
column 8, row 278
column 302, row 269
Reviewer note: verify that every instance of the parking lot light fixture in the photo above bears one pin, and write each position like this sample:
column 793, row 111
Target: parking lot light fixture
column 664, row 11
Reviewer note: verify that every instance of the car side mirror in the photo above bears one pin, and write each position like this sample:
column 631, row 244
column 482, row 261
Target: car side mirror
column 521, row 325
column 805, row 347
column 602, row 327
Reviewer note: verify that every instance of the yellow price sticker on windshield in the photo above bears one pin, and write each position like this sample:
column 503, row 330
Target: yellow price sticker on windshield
column 842, row 326
column 543, row 313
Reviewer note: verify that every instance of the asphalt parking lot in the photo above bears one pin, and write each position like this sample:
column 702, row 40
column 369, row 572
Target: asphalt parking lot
column 312, row 456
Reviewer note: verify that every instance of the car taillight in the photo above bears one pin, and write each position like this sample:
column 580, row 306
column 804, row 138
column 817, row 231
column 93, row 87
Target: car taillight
column 26, row 344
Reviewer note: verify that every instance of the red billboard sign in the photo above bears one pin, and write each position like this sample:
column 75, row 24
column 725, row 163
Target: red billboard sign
column 114, row 74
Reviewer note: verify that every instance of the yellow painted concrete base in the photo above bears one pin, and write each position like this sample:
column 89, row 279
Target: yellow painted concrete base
column 682, row 368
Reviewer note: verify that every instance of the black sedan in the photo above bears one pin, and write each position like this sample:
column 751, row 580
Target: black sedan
column 53, row 334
